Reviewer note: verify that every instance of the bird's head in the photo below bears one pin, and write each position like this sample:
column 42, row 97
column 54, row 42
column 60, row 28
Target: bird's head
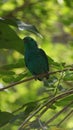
column 30, row 43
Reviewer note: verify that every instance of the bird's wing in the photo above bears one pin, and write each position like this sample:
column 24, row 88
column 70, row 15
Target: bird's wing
column 45, row 57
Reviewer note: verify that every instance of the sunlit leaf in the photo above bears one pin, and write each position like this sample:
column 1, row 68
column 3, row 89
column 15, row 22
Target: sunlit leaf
column 65, row 101
column 20, row 76
column 68, row 76
column 18, row 64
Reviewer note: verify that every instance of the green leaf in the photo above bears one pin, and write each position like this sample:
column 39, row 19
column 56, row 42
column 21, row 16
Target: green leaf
column 21, row 25
column 20, row 76
column 31, row 106
column 9, row 39
column 68, row 76
column 50, row 60
column 64, row 101
column 9, row 21
column 4, row 72
column 53, row 107
column 55, row 64
column 5, row 117
column 69, row 3
column 28, row 27
column 18, row 64
column 14, row 78
column 8, row 79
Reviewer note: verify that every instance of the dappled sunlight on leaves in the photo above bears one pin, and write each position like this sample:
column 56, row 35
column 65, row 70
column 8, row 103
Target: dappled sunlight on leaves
column 27, row 103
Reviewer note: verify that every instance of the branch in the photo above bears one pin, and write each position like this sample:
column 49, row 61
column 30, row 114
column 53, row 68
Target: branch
column 25, row 5
column 49, row 103
column 10, row 14
column 57, row 114
column 41, row 124
column 35, row 77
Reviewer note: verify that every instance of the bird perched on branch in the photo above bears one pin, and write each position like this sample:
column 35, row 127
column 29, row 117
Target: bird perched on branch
column 35, row 58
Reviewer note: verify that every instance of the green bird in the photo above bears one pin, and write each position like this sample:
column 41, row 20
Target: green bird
column 35, row 58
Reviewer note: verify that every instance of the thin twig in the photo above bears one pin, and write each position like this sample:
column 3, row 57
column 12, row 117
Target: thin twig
column 45, row 109
column 34, row 77
column 65, row 118
column 59, row 81
column 61, row 111
column 41, row 125
column 51, row 101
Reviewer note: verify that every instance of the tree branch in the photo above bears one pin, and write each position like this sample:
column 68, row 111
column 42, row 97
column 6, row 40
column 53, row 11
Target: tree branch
column 26, row 4
column 60, row 112
column 49, row 103
column 35, row 77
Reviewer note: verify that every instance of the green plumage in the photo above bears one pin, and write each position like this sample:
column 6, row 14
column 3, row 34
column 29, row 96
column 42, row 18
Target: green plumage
column 35, row 58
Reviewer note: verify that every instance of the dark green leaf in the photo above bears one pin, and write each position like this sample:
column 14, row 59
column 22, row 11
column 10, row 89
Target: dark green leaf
column 8, row 79
column 9, row 39
column 9, row 22
column 5, row 117
column 31, row 106
column 4, row 72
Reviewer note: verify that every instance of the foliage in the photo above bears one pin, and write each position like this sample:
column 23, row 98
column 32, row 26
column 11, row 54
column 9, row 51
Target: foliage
column 32, row 105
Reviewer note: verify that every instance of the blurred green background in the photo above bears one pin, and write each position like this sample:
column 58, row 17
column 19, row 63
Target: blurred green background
column 54, row 21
